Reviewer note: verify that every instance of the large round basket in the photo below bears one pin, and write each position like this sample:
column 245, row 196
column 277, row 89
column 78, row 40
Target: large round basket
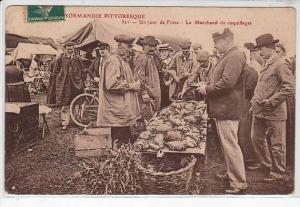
column 170, row 182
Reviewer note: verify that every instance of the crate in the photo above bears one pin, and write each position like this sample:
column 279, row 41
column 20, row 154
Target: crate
column 92, row 142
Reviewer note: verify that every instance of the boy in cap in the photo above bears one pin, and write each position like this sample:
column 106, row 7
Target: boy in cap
column 118, row 100
column 146, row 71
column 226, row 92
column 94, row 69
column 275, row 85
column 69, row 83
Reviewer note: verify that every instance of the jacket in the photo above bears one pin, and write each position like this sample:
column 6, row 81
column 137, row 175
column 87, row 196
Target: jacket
column 226, row 90
column 276, row 83
column 118, row 105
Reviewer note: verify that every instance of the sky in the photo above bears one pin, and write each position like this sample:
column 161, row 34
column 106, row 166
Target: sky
column 280, row 22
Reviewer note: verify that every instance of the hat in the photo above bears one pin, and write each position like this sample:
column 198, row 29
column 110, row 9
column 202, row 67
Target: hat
column 124, row 39
column 185, row 45
column 102, row 44
column 149, row 40
column 69, row 44
column 196, row 46
column 164, row 46
column 226, row 32
column 202, row 56
column 250, row 46
column 265, row 40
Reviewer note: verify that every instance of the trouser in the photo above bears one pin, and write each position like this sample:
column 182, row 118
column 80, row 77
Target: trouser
column 244, row 134
column 65, row 115
column 271, row 154
column 227, row 131
column 120, row 136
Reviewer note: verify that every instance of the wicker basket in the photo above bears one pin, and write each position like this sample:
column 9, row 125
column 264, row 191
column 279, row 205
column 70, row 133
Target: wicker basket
column 169, row 177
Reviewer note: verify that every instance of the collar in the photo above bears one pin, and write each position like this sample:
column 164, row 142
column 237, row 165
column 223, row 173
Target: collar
column 272, row 59
column 227, row 52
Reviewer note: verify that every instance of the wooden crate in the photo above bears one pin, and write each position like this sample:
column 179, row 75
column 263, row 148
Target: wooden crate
column 92, row 142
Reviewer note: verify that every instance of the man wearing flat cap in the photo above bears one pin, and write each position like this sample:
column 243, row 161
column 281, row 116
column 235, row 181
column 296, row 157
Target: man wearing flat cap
column 69, row 81
column 118, row 100
column 94, row 69
column 180, row 68
column 146, row 70
column 226, row 94
column 276, row 83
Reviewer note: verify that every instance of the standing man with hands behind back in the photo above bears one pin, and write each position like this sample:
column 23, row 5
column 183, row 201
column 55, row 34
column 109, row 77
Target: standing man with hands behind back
column 226, row 94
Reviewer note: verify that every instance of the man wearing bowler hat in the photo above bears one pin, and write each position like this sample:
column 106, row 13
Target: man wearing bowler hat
column 254, row 57
column 146, row 71
column 274, row 86
column 226, row 94
column 118, row 101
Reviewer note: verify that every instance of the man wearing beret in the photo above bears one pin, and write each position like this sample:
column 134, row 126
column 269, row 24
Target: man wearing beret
column 69, row 83
column 118, row 100
column 226, row 94
column 146, row 71
column 275, row 84
column 180, row 68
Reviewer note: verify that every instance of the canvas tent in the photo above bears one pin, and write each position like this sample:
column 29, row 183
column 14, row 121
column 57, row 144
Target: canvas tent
column 12, row 40
column 97, row 30
column 26, row 50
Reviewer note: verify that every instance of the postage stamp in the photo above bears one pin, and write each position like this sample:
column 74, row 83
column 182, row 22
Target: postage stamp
column 37, row 13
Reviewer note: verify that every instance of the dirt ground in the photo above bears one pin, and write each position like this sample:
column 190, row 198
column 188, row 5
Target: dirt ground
column 46, row 168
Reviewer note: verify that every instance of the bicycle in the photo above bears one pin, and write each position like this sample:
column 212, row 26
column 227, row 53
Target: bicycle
column 84, row 107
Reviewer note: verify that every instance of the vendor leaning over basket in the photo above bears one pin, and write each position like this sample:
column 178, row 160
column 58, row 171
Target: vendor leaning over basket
column 69, row 83
column 118, row 100
column 226, row 94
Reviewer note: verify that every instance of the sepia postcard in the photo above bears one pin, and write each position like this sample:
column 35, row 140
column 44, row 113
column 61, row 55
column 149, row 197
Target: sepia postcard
column 149, row 100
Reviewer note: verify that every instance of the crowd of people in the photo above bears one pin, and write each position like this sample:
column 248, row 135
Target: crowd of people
column 249, row 92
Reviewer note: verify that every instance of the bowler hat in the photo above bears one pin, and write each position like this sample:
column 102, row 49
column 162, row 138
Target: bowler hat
column 124, row 39
column 226, row 32
column 185, row 45
column 149, row 40
column 265, row 40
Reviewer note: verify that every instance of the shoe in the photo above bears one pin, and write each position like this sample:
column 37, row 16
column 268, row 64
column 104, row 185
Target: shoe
column 64, row 128
column 220, row 176
column 271, row 178
column 254, row 166
column 232, row 190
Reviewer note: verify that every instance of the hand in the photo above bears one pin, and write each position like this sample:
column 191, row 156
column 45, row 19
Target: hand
column 135, row 86
column 202, row 89
column 180, row 95
column 250, row 110
column 97, row 79
column 146, row 97
column 267, row 104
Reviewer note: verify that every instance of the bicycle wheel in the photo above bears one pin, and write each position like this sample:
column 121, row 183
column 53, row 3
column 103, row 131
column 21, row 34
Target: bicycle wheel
column 84, row 109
